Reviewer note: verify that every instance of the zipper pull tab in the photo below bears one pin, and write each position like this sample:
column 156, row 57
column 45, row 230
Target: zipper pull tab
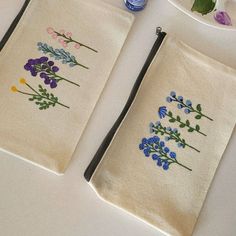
column 158, row 30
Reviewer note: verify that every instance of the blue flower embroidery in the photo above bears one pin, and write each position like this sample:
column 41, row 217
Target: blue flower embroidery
column 162, row 112
column 187, row 105
column 157, row 149
column 171, row 134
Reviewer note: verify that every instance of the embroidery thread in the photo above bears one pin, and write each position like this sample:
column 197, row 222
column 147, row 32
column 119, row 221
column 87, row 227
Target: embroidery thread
column 156, row 148
column 170, row 134
column 60, row 54
column 41, row 97
column 164, row 113
column 65, row 38
column 47, row 71
column 187, row 106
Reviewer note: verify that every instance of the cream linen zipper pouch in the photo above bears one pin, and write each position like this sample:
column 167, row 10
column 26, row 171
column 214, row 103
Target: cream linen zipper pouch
column 165, row 153
column 53, row 69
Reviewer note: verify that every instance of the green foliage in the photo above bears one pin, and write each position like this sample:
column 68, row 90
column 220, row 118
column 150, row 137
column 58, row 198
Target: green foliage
column 203, row 6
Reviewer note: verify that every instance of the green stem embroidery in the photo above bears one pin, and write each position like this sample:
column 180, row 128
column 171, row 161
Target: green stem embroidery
column 187, row 106
column 70, row 40
column 163, row 154
column 172, row 134
column 42, row 98
column 184, row 124
column 53, row 75
column 60, row 54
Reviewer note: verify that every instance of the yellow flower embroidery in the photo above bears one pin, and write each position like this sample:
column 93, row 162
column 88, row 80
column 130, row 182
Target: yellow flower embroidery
column 14, row 89
column 22, row 81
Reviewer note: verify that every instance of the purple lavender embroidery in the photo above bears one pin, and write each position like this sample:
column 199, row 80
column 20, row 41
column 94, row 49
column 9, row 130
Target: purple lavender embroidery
column 223, row 18
column 46, row 70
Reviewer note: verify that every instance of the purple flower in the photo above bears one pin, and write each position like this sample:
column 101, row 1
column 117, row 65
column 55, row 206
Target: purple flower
column 53, row 83
column 47, row 81
column 43, row 75
column 55, row 69
column 223, row 18
column 46, row 70
column 50, row 63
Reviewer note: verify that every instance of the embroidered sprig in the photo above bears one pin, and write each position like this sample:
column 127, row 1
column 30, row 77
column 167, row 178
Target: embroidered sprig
column 65, row 38
column 170, row 134
column 187, row 106
column 47, row 71
column 59, row 54
column 156, row 148
column 182, row 124
column 41, row 97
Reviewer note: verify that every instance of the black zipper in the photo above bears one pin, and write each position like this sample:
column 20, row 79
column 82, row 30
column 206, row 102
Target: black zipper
column 106, row 142
column 13, row 25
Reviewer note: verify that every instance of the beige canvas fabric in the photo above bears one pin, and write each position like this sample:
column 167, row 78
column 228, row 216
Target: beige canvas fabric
column 49, row 137
column 171, row 199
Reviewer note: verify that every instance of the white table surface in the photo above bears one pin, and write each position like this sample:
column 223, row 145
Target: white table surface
column 34, row 202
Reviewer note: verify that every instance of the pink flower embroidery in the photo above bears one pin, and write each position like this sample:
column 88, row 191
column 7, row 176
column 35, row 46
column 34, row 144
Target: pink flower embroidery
column 69, row 34
column 54, row 36
column 77, row 46
column 50, row 30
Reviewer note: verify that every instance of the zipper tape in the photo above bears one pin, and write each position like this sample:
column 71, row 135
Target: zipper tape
column 107, row 140
column 13, row 25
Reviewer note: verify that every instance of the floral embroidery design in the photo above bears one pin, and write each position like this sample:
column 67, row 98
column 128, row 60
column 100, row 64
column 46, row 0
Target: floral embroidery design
column 170, row 134
column 65, row 38
column 182, row 124
column 161, row 154
column 41, row 97
column 60, row 54
column 187, row 106
column 156, row 148
column 47, row 71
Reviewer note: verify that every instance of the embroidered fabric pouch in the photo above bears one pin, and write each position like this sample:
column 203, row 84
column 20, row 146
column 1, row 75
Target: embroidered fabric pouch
column 53, row 69
column 162, row 159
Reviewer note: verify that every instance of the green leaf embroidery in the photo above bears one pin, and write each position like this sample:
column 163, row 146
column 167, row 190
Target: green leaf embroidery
column 40, row 96
column 170, row 134
column 198, row 117
column 199, row 108
column 197, row 127
column 190, row 130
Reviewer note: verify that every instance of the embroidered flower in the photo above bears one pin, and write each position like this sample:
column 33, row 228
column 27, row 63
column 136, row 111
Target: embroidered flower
column 173, row 155
column 59, row 54
column 162, row 155
column 22, row 81
column 14, row 89
column 187, row 105
column 162, row 112
column 170, row 135
column 65, row 38
column 46, row 70
column 187, row 111
column 40, row 96
column 77, row 46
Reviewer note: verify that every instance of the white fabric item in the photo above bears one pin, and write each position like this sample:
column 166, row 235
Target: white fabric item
column 170, row 199
column 48, row 137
